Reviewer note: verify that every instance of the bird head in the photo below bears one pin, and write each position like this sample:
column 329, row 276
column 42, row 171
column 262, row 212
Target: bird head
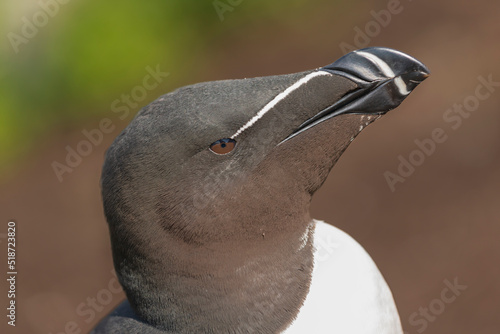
column 232, row 156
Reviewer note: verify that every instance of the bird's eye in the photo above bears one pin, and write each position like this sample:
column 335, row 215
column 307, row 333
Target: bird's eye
column 223, row 146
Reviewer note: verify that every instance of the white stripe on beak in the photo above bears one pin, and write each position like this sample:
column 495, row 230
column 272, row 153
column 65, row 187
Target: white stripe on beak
column 386, row 70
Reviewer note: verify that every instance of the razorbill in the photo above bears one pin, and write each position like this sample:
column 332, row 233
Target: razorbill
column 207, row 196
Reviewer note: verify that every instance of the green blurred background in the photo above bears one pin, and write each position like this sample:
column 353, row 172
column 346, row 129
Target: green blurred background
column 441, row 223
column 83, row 54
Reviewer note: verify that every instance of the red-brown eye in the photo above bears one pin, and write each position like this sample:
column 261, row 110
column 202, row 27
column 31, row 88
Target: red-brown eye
column 223, row 146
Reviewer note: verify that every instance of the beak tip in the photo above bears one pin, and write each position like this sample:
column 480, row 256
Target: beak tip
column 416, row 76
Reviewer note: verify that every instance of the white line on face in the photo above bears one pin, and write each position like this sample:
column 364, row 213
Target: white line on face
column 382, row 65
column 281, row 96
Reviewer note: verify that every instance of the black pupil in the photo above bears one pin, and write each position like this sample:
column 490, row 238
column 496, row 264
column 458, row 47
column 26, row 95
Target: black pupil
column 223, row 146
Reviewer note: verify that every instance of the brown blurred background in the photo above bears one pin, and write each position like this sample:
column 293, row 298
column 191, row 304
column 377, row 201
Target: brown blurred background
column 442, row 224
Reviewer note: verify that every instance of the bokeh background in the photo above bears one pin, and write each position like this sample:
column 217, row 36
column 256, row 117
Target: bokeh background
column 441, row 224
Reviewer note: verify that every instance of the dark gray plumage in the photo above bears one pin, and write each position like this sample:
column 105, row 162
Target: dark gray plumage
column 210, row 243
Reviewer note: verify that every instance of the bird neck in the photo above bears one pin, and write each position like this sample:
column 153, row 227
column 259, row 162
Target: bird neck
column 223, row 286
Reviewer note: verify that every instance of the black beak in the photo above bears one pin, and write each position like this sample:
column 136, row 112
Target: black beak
column 384, row 78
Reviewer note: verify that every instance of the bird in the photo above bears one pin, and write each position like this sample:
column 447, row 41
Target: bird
column 207, row 194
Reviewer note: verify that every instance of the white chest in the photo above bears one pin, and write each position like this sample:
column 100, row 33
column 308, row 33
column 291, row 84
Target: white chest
column 348, row 294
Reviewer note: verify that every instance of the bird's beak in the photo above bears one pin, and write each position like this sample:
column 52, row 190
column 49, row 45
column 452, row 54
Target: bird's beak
column 384, row 78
